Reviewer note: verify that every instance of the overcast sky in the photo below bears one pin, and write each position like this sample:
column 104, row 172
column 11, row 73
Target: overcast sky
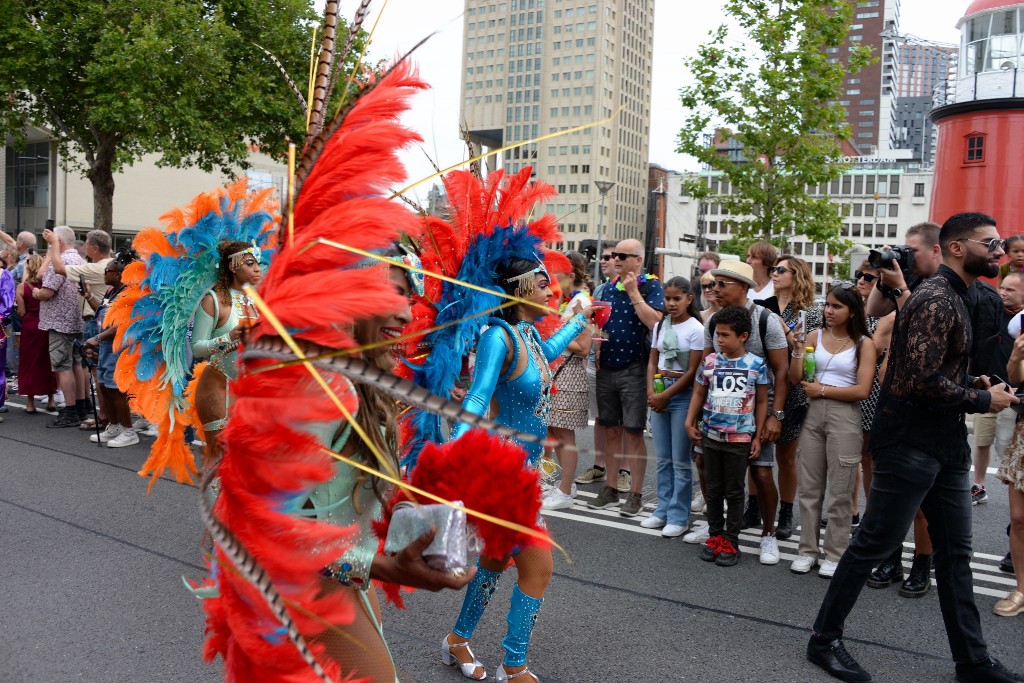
column 679, row 26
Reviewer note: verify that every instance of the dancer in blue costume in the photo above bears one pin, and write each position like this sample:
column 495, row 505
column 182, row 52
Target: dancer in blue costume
column 512, row 371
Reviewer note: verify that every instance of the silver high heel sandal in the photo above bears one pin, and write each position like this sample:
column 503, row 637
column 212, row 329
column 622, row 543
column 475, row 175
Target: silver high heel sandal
column 467, row 670
column 500, row 675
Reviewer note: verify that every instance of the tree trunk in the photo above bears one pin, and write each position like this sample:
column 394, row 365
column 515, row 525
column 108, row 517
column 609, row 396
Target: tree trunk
column 101, row 175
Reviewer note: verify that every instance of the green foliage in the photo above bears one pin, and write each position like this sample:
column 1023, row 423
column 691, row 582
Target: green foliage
column 841, row 268
column 774, row 94
column 737, row 245
column 186, row 79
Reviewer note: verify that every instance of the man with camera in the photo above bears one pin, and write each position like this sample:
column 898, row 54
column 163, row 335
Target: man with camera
column 922, row 458
column 897, row 266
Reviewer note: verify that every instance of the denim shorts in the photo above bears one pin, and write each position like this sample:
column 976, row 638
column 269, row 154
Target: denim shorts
column 106, row 365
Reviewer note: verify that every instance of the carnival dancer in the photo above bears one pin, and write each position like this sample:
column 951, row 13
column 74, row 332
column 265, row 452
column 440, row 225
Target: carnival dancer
column 512, row 370
column 224, row 315
column 184, row 297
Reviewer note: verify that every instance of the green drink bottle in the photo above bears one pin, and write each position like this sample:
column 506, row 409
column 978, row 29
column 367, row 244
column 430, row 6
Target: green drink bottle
column 809, row 364
column 659, row 384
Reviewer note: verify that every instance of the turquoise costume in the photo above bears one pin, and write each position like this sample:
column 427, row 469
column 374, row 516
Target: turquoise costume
column 215, row 343
column 524, row 400
column 523, row 403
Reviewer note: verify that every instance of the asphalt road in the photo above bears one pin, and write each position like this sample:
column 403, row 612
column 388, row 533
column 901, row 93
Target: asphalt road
column 92, row 573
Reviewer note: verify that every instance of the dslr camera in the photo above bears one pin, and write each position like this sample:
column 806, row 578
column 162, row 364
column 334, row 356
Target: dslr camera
column 883, row 258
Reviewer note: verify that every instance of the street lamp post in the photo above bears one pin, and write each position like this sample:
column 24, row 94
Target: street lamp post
column 603, row 186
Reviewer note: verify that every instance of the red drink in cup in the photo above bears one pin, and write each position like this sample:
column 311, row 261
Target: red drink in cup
column 602, row 313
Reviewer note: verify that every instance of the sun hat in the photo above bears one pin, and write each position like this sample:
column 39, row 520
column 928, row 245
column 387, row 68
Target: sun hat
column 737, row 270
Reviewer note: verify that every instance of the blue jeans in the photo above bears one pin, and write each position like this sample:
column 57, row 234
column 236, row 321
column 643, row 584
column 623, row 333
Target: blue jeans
column 675, row 468
column 906, row 479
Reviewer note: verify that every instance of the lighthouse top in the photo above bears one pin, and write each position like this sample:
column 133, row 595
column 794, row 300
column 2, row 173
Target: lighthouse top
column 987, row 5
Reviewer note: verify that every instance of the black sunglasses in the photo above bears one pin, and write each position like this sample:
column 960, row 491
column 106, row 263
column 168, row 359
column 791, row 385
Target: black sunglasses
column 841, row 284
column 781, row 270
column 866, row 277
column 623, row 257
column 709, row 286
column 606, row 257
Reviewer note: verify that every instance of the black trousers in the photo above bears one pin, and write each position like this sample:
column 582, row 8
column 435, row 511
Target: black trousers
column 725, row 472
column 904, row 480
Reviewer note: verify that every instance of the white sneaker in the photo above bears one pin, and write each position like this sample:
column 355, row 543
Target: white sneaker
column 150, row 430
column 556, row 500
column 572, row 490
column 139, row 423
column 127, row 437
column 827, row 569
column 673, row 530
column 698, row 503
column 107, row 434
column 58, row 399
column 769, row 550
column 624, row 483
column 653, row 522
column 697, row 534
column 803, row 564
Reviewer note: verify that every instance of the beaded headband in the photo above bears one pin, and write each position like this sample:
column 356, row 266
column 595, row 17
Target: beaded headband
column 525, row 283
column 238, row 257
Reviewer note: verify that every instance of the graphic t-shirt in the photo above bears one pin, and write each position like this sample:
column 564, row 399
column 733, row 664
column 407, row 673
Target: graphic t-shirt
column 732, row 386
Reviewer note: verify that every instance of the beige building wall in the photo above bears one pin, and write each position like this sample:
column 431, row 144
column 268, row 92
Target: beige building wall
column 534, row 67
column 144, row 191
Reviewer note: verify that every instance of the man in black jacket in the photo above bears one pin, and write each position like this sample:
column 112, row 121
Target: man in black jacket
column 922, row 459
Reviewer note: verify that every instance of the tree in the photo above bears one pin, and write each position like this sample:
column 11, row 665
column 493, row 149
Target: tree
column 774, row 97
column 199, row 83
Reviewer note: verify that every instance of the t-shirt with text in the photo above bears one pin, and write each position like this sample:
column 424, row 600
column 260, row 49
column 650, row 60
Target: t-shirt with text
column 732, row 387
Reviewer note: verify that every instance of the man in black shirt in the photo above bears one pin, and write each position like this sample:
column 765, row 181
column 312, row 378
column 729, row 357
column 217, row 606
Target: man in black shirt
column 921, row 456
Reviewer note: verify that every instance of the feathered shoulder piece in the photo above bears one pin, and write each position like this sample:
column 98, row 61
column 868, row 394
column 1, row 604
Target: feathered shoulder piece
column 270, row 619
column 178, row 265
column 489, row 224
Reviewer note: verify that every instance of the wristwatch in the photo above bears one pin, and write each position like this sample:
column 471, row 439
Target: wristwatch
column 779, row 415
column 897, row 293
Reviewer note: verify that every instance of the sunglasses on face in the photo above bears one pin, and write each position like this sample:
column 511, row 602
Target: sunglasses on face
column 606, row 257
column 840, row 284
column 708, row 287
column 781, row 270
column 993, row 245
column 866, row 277
column 623, row 257
column 722, row 284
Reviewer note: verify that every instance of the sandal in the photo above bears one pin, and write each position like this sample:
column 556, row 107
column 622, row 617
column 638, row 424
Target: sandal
column 468, row 668
column 89, row 425
column 500, row 674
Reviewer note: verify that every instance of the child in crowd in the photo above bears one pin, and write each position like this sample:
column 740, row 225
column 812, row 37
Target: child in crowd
column 732, row 386
column 119, row 432
column 675, row 356
column 1014, row 247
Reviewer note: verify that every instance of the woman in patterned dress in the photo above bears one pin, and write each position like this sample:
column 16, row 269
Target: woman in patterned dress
column 794, row 291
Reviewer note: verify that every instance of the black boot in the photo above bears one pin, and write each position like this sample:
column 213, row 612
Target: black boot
column 68, row 418
column 920, row 579
column 752, row 515
column 1006, row 564
column 784, row 529
column 834, row 658
column 889, row 572
column 991, row 671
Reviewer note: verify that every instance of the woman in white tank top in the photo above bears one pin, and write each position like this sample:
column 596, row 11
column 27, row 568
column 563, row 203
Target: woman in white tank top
column 830, row 443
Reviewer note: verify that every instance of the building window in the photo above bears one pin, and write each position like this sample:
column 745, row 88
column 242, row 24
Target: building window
column 975, row 148
column 918, row 189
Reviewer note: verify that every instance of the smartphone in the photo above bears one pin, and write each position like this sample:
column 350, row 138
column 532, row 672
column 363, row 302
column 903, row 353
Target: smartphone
column 802, row 334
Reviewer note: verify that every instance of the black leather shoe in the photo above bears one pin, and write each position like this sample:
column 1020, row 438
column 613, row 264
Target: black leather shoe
column 889, row 572
column 991, row 671
column 1006, row 564
column 833, row 658
column 752, row 515
column 920, row 580
column 784, row 529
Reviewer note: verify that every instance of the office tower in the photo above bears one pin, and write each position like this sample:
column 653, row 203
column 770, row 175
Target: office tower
column 533, row 67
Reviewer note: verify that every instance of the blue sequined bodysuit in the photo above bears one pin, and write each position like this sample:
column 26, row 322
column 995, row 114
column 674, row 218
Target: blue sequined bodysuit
column 522, row 400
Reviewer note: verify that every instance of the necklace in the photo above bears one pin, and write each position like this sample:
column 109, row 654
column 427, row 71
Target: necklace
column 838, row 339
